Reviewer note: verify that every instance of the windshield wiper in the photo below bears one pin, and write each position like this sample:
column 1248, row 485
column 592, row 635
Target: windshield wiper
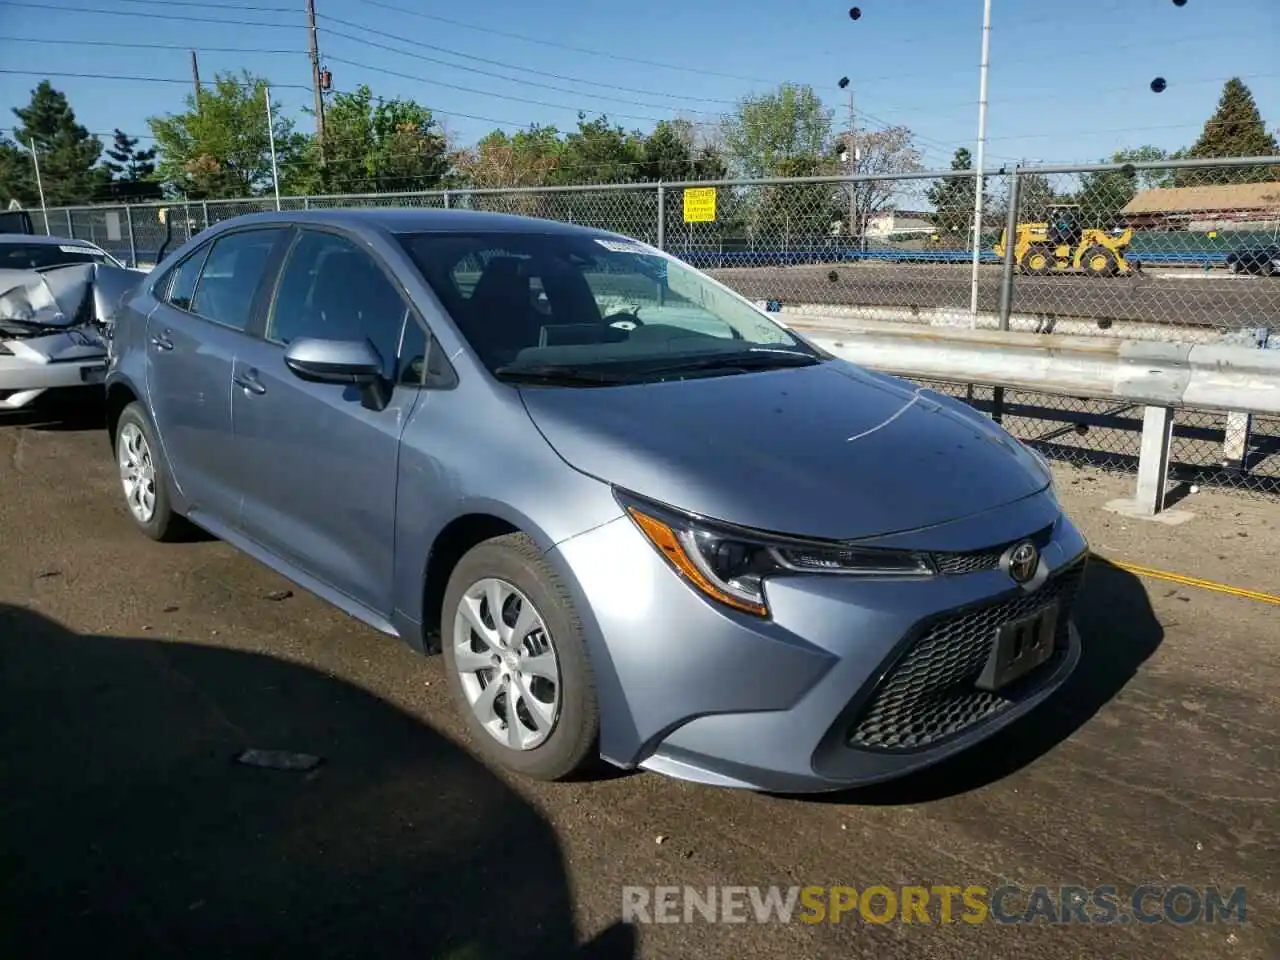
column 762, row 360
column 558, row 376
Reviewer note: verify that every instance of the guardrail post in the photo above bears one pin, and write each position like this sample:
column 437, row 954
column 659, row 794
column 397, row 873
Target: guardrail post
column 1235, row 442
column 71, row 230
column 447, row 201
column 133, row 243
column 1006, row 279
column 1153, row 460
column 662, row 217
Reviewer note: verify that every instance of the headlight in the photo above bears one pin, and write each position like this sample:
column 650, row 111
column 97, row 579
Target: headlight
column 730, row 565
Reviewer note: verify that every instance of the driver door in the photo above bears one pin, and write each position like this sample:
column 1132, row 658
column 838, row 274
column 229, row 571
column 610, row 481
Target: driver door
column 319, row 465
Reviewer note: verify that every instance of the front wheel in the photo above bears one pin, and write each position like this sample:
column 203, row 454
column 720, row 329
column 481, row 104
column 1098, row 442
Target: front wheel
column 142, row 476
column 517, row 662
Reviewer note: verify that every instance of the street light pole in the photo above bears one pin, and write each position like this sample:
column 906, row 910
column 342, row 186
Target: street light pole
column 981, row 158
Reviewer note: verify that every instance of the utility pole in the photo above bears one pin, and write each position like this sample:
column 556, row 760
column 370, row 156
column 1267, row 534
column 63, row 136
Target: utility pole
column 314, row 46
column 981, row 158
column 853, row 168
column 195, row 79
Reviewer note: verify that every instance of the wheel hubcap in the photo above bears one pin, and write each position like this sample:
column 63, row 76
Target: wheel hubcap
column 137, row 473
column 506, row 660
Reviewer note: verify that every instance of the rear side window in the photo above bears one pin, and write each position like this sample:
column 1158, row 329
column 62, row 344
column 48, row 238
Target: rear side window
column 231, row 275
column 183, row 282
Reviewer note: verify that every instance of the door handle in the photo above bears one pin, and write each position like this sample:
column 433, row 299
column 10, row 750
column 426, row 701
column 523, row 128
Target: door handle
column 250, row 382
column 162, row 341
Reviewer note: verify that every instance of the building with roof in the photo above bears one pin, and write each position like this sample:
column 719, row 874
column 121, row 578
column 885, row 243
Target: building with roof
column 1228, row 206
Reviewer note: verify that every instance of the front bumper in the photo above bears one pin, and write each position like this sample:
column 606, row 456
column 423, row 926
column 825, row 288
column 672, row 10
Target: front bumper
column 849, row 682
column 31, row 365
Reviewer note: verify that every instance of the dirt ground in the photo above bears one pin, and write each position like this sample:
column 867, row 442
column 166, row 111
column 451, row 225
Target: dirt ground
column 132, row 675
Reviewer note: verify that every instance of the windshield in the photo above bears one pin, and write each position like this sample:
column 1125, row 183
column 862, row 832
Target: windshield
column 42, row 256
column 600, row 309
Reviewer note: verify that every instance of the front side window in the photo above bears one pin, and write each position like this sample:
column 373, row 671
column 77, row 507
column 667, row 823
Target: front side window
column 574, row 302
column 331, row 289
column 231, row 275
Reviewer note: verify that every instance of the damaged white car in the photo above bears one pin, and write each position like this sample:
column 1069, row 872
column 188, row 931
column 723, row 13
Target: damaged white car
column 55, row 320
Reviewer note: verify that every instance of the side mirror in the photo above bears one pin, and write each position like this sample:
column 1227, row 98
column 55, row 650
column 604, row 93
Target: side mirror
column 353, row 362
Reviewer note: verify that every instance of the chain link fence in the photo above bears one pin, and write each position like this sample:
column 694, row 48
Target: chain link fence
column 1179, row 252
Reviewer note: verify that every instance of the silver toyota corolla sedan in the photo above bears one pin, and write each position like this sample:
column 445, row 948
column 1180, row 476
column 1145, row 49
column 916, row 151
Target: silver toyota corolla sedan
column 640, row 518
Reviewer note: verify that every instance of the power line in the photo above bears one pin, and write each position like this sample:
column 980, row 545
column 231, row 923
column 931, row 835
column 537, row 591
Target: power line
column 466, row 56
column 136, row 79
column 613, row 55
column 153, row 16
column 145, row 46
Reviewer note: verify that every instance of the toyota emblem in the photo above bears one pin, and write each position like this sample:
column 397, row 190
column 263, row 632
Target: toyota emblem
column 1022, row 561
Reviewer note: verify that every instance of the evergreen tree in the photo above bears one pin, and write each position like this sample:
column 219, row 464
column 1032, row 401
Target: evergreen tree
column 17, row 178
column 127, row 162
column 68, row 154
column 1235, row 130
column 953, row 200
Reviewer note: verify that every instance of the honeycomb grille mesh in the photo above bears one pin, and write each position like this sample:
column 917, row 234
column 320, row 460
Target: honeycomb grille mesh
column 929, row 695
column 954, row 564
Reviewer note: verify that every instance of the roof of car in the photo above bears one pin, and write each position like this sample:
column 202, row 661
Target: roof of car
column 41, row 239
column 418, row 219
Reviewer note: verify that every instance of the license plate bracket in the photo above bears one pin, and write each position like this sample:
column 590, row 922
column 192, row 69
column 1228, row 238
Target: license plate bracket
column 1018, row 647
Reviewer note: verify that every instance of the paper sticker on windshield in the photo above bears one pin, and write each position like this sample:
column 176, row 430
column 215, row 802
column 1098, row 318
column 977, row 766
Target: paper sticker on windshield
column 68, row 248
column 621, row 246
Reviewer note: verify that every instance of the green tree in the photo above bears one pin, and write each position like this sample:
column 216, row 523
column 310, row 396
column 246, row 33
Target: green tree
column 523, row 159
column 1102, row 196
column 222, row 149
column 126, row 161
column 671, row 153
column 599, row 152
column 1236, row 129
column 953, row 200
column 765, row 130
column 17, row 180
column 68, row 153
column 375, row 145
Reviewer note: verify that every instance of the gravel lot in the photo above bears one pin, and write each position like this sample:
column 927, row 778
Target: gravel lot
column 132, row 675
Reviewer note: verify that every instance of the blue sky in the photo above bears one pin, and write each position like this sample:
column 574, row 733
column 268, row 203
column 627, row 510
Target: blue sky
column 1067, row 81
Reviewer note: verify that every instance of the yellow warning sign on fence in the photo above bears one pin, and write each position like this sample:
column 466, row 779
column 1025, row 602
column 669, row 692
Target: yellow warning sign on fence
column 700, row 205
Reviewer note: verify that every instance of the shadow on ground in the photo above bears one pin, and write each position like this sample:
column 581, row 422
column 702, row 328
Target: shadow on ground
column 1118, row 631
column 128, row 828
column 73, row 409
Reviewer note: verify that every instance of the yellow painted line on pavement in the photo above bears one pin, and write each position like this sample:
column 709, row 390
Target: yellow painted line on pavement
column 1196, row 582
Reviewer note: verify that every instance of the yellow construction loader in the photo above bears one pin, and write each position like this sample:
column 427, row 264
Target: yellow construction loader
column 1063, row 244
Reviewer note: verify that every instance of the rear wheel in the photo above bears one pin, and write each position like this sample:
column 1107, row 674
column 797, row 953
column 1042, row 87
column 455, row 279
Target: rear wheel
column 1038, row 261
column 143, row 478
column 517, row 660
column 1100, row 262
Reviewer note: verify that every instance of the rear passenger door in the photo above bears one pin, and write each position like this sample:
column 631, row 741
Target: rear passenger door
column 319, row 468
column 206, row 303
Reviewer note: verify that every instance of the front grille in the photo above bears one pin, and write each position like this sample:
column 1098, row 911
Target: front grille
column 930, row 694
column 954, row 564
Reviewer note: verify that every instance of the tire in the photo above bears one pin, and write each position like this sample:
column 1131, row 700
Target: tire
column 568, row 743
column 1268, row 268
column 1099, row 262
column 135, row 446
column 1038, row 261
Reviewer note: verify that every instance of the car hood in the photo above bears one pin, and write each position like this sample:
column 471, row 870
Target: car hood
column 829, row 451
